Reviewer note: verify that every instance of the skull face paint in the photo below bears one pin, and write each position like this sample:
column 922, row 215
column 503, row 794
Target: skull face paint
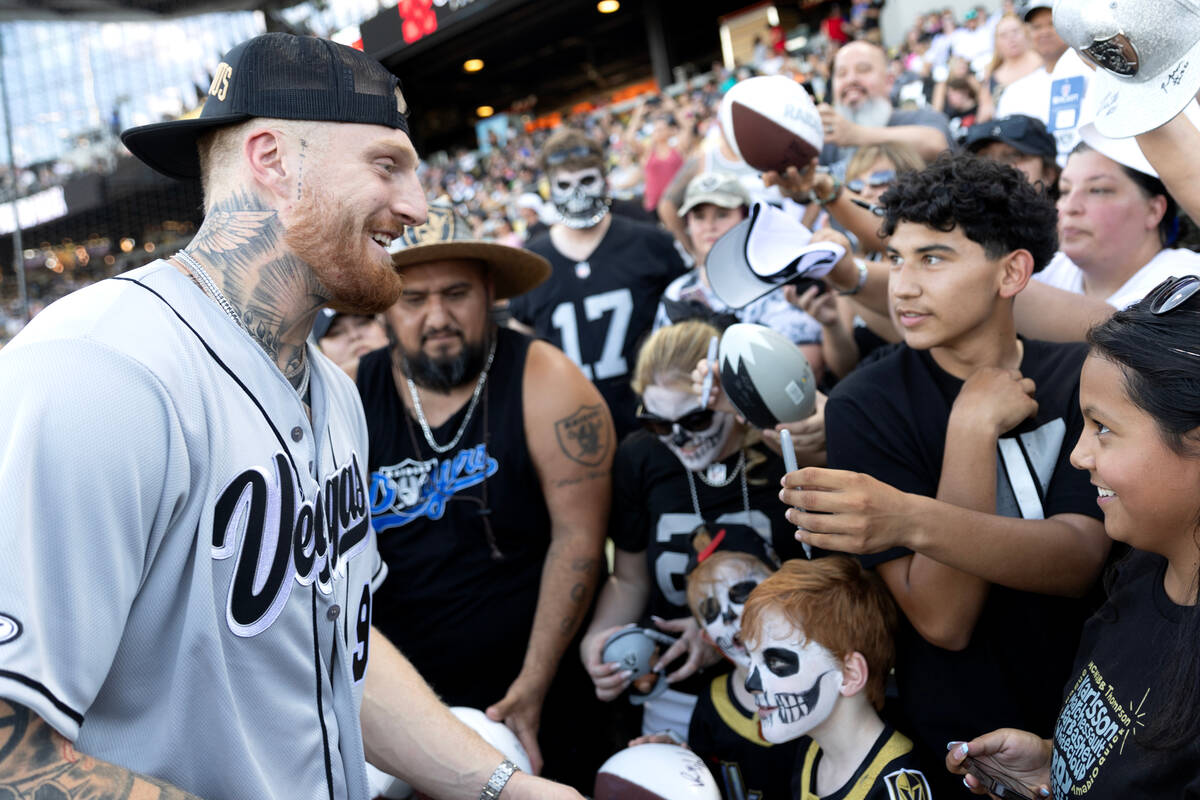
column 721, row 610
column 580, row 196
column 795, row 685
column 694, row 449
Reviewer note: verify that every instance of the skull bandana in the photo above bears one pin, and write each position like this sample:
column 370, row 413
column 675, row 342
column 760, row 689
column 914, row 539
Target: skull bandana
column 580, row 196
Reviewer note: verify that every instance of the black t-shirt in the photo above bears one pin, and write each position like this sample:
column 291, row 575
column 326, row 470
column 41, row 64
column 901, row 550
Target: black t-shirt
column 597, row 311
column 652, row 512
column 460, row 612
column 888, row 419
column 727, row 736
column 1116, row 691
column 889, row 772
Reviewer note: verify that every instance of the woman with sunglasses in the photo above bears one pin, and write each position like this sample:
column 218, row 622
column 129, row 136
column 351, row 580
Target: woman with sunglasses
column 690, row 467
column 1114, row 225
column 1129, row 725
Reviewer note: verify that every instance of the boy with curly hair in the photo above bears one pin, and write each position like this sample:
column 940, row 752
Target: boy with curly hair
column 950, row 464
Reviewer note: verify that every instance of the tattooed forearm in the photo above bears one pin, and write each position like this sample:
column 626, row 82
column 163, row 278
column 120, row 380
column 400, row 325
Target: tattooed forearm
column 579, row 596
column 585, row 437
column 36, row 762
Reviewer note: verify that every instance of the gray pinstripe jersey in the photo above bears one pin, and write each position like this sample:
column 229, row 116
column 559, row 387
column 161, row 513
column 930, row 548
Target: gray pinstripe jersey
column 185, row 586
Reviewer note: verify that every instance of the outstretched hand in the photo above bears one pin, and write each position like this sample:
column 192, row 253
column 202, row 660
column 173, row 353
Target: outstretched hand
column 521, row 710
column 700, row 653
column 1014, row 755
column 848, row 512
column 793, row 182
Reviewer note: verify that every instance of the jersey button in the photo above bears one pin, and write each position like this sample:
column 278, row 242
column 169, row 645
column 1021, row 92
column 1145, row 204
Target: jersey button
column 333, row 612
column 297, row 434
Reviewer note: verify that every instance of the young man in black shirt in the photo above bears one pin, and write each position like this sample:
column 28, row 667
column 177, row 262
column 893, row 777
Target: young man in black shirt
column 952, row 470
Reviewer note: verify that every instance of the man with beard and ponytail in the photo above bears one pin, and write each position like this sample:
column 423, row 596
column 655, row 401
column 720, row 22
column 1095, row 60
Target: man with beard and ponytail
column 186, row 587
column 490, row 469
column 862, row 113
column 608, row 273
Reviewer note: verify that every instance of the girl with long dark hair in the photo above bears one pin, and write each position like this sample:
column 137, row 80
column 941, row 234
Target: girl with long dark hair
column 1130, row 720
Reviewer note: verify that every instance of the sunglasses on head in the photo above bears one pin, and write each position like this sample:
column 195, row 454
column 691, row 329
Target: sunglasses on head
column 695, row 421
column 883, row 177
column 1172, row 293
column 559, row 156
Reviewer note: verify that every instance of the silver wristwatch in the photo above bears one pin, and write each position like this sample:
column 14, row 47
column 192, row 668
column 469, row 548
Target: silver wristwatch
column 496, row 783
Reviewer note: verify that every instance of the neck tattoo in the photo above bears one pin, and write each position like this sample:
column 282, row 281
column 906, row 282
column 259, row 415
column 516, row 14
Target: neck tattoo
column 420, row 412
column 209, row 287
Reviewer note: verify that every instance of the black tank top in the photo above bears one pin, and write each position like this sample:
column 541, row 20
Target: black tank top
column 457, row 602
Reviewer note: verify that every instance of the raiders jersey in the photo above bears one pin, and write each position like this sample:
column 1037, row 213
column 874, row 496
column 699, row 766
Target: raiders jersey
column 598, row 311
column 188, row 562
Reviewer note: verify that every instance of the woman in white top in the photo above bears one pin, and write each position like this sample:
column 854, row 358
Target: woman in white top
column 1114, row 223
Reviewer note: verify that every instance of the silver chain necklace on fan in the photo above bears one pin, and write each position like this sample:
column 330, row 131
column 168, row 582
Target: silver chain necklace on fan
column 416, row 399
column 740, row 469
column 210, row 288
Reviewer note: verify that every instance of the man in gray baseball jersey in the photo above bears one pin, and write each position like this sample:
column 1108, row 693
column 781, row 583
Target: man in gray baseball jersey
column 186, row 585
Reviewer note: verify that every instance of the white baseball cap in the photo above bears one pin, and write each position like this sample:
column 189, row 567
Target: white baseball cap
column 1147, row 54
column 763, row 252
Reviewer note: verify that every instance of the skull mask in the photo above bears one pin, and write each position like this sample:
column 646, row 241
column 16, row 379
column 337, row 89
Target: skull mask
column 796, row 683
column 721, row 609
column 580, row 196
column 694, row 449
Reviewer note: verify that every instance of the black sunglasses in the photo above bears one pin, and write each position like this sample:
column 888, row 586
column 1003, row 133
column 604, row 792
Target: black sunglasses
column 1172, row 293
column 698, row 420
column 559, row 156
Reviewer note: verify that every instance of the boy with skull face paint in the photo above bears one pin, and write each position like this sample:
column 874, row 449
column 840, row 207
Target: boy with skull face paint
column 819, row 637
column 724, row 730
column 607, row 274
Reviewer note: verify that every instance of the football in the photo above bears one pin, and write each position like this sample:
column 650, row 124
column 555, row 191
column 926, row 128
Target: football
column 655, row 772
column 765, row 376
column 771, row 122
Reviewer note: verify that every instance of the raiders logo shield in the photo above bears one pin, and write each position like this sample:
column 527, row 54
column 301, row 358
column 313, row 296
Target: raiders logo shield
column 582, row 436
column 907, row 784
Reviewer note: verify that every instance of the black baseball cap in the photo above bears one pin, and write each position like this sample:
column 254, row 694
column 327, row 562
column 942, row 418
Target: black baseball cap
column 1027, row 134
column 281, row 76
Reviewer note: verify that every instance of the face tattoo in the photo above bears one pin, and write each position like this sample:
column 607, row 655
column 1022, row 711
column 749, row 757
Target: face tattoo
column 795, row 685
column 580, row 196
column 721, row 610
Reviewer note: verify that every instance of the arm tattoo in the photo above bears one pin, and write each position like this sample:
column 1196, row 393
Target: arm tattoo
column 35, row 762
column 583, row 436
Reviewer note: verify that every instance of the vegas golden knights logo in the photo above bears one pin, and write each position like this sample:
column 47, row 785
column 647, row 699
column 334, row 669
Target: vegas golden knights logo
column 905, row 784
column 220, row 81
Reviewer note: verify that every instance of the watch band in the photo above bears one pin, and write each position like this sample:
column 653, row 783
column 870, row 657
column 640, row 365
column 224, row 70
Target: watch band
column 862, row 278
column 499, row 779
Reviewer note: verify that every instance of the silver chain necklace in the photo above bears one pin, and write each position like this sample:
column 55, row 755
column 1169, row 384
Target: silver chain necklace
column 416, row 399
column 739, row 469
column 209, row 286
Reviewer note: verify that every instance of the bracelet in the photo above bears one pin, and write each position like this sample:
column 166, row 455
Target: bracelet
column 834, row 192
column 496, row 783
column 862, row 278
